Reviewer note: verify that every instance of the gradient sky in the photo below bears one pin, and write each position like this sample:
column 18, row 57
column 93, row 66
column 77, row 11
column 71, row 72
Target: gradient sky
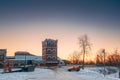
column 24, row 24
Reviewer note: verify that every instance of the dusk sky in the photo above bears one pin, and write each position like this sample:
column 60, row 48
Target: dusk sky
column 24, row 24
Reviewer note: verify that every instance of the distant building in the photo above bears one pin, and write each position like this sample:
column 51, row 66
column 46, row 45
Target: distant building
column 2, row 56
column 60, row 61
column 22, row 58
column 49, row 52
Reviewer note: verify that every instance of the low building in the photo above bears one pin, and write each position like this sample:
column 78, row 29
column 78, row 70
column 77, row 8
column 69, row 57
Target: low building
column 24, row 58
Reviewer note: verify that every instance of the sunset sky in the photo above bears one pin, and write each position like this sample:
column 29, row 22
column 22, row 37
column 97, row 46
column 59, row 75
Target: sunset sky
column 24, row 24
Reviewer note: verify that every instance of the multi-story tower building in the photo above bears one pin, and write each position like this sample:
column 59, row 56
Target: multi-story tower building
column 49, row 52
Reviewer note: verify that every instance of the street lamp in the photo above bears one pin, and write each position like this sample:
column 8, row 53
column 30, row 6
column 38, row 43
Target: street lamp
column 103, row 51
column 25, row 61
column 119, row 72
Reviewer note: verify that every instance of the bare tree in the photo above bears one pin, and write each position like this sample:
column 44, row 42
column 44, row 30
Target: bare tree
column 99, row 57
column 114, row 58
column 85, row 45
column 74, row 57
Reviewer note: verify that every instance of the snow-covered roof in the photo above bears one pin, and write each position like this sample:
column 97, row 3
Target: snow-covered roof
column 28, row 58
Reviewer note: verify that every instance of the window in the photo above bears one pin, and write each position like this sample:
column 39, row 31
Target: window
column 53, row 51
column 54, row 58
column 48, row 51
column 1, row 57
column 48, row 58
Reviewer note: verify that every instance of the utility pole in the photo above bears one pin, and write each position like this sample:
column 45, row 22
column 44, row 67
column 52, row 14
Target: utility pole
column 116, row 55
column 103, row 51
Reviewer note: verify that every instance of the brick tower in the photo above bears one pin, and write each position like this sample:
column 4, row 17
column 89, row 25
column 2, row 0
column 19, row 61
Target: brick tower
column 49, row 52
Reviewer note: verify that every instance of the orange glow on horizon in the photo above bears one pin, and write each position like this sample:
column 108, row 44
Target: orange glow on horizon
column 29, row 38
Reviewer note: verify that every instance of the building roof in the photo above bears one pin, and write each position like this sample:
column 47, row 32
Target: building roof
column 49, row 42
column 3, row 51
column 23, row 53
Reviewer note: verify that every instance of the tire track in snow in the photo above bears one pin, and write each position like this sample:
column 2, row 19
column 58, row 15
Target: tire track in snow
column 57, row 74
column 67, row 75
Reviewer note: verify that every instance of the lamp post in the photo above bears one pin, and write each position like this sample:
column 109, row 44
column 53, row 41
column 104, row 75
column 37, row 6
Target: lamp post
column 119, row 72
column 103, row 51
column 25, row 61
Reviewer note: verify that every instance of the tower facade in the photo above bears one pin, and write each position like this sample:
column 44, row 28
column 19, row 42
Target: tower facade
column 49, row 52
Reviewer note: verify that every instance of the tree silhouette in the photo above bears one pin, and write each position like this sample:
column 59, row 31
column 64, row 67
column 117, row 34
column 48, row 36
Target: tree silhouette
column 74, row 57
column 85, row 45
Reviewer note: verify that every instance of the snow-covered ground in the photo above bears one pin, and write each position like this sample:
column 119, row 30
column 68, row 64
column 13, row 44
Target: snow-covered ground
column 89, row 73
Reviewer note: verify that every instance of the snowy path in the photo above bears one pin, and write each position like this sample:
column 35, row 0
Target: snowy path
column 57, row 74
